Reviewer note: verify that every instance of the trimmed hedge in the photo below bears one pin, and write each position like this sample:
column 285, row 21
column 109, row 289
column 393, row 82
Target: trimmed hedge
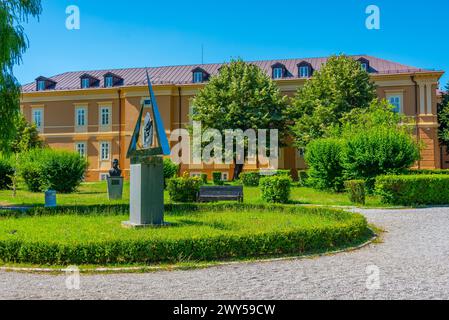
column 276, row 189
column 338, row 229
column 356, row 190
column 184, row 189
column 426, row 171
column 250, row 179
column 216, row 177
column 413, row 189
column 6, row 171
column 170, row 170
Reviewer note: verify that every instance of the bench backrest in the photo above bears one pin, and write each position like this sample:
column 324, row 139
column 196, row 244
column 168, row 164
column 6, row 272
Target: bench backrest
column 222, row 191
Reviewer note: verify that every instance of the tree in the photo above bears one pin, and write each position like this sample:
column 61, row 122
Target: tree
column 27, row 136
column 339, row 87
column 13, row 43
column 242, row 97
column 443, row 119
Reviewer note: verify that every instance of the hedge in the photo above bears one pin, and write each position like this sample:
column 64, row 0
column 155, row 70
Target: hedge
column 413, row 189
column 216, row 177
column 276, row 189
column 6, row 171
column 341, row 230
column 250, row 179
column 184, row 189
column 356, row 190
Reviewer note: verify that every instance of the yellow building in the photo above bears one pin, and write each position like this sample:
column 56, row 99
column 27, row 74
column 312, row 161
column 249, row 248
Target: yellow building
column 94, row 112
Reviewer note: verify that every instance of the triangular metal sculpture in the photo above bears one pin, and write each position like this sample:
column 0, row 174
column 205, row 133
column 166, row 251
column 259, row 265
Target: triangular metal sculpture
column 162, row 147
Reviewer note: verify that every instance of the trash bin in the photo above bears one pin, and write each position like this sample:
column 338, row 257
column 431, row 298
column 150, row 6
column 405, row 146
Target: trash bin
column 50, row 199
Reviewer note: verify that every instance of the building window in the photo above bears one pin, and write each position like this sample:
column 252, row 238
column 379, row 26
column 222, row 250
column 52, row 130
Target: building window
column 105, row 116
column 396, row 101
column 224, row 176
column 105, row 148
column 85, row 83
column 104, row 176
column 304, row 72
column 364, row 66
column 195, row 175
column 81, row 117
column 278, row 73
column 80, row 147
column 41, row 85
column 109, row 82
column 38, row 115
column 197, row 77
column 301, row 152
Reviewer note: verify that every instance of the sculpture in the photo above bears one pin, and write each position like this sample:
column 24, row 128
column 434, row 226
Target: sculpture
column 115, row 170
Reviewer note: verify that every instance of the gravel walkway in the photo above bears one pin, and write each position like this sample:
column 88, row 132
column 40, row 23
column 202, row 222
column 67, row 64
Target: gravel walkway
column 412, row 262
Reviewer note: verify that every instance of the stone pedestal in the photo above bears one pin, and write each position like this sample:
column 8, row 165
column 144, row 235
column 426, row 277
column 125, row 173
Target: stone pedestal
column 146, row 193
column 115, row 188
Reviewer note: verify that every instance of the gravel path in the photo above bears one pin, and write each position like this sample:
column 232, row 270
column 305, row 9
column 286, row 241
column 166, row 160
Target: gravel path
column 412, row 262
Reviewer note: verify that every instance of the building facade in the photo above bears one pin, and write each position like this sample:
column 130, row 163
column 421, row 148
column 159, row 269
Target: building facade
column 94, row 113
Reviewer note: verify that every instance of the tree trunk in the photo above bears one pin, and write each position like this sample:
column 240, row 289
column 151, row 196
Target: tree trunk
column 238, row 168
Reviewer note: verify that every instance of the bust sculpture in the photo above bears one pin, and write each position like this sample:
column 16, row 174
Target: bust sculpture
column 115, row 170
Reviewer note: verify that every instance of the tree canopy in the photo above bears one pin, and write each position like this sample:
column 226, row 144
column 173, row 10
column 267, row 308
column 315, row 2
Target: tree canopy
column 443, row 118
column 242, row 97
column 13, row 43
column 338, row 88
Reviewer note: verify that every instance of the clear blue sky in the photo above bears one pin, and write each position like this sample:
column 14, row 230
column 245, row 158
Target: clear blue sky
column 138, row 33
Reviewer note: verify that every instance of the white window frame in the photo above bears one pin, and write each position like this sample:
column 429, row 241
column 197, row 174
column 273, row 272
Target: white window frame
column 108, row 155
column 85, row 83
column 84, row 148
column 304, row 72
column 77, row 117
column 109, row 82
column 39, row 126
column 195, row 174
column 225, row 176
column 198, row 77
column 104, row 176
column 109, row 112
column 278, row 73
column 398, row 95
column 364, row 66
column 41, row 85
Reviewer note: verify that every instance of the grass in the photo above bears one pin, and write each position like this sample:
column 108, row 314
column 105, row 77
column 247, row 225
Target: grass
column 195, row 233
column 96, row 193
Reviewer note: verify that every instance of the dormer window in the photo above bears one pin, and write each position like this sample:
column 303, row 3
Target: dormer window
column 109, row 81
column 364, row 64
column 199, row 75
column 278, row 71
column 43, row 84
column 304, row 69
column 88, row 81
column 85, row 83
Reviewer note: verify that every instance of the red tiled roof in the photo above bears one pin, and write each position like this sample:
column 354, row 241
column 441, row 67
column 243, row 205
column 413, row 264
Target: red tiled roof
column 183, row 74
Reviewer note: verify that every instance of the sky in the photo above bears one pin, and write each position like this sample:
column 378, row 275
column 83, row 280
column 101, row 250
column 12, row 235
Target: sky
column 147, row 33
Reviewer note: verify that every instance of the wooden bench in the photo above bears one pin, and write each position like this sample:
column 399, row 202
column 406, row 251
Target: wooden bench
column 222, row 193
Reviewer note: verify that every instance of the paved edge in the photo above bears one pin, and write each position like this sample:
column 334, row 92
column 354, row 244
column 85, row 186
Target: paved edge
column 147, row 269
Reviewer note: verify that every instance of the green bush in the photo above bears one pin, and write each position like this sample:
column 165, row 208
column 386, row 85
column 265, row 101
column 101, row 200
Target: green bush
column 356, row 191
column 323, row 157
column 250, row 179
column 378, row 151
column 6, row 171
column 196, row 233
column 425, row 171
column 217, row 178
column 413, row 189
column 302, row 178
column 170, row 170
column 184, row 189
column 46, row 169
column 276, row 189
column 204, row 178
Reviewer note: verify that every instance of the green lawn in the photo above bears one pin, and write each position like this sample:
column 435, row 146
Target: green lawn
column 96, row 193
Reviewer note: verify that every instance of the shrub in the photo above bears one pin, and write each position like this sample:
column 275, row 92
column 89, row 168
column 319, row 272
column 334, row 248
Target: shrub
column 356, row 191
column 425, row 171
column 217, row 178
column 276, row 189
column 184, row 189
column 323, row 157
column 197, row 233
column 413, row 189
column 6, row 171
column 378, row 151
column 170, row 170
column 250, row 179
column 45, row 169
column 302, row 178
column 204, row 178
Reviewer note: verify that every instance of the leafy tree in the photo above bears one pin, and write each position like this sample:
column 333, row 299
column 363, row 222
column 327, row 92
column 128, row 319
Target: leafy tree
column 338, row 88
column 242, row 97
column 13, row 43
column 443, row 119
column 27, row 136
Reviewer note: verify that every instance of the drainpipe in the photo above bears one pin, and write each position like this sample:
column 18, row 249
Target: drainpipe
column 417, row 115
column 179, row 121
column 120, row 125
